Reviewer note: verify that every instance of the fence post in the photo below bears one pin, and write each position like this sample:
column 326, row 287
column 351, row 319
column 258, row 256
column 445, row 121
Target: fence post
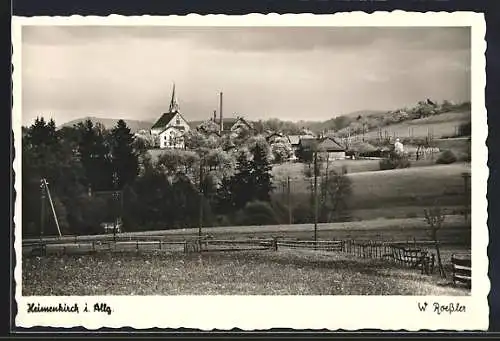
column 93, row 246
column 137, row 245
column 432, row 263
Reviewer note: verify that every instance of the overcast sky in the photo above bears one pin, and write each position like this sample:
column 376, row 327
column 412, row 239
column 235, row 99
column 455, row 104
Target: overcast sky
column 287, row 73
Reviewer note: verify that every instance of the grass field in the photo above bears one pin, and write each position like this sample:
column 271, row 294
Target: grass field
column 441, row 125
column 388, row 192
column 245, row 273
column 454, row 230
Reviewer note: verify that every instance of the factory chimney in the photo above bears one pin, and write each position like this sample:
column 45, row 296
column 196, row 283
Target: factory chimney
column 221, row 123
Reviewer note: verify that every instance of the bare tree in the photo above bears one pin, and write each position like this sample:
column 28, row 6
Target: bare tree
column 435, row 217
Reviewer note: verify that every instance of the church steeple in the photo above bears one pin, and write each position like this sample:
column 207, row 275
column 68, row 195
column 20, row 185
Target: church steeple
column 174, row 105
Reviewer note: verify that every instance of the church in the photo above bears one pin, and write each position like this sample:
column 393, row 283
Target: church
column 168, row 131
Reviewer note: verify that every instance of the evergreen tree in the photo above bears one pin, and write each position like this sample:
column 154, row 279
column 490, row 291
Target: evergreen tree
column 95, row 156
column 46, row 155
column 260, row 175
column 242, row 183
column 123, row 156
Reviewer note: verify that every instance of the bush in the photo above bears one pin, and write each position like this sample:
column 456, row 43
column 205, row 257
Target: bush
column 303, row 214
column 446, row 158
column 394, row 161
column 464, row 129
column 257, row 213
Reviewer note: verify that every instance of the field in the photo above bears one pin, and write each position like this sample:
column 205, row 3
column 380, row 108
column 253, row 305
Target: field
column 246, row 273
column 455, row 230
column 440, row 125
column 394, row 193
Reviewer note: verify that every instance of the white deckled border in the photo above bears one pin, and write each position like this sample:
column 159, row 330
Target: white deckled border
column 264, row 312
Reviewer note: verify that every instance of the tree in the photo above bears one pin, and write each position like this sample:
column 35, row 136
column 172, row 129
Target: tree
column 124, row 158
column 281, row 149
column 95, row 156
column 261, row 173
column 48, row 154
column 434, row 218
column 242, row 184
column 336, row 190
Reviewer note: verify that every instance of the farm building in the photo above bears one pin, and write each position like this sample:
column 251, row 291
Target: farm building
column 325, row 145
column 295, row 140
column 229, row 126
column 170, row 127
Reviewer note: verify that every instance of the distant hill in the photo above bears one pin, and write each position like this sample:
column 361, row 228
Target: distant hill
column 109, row 123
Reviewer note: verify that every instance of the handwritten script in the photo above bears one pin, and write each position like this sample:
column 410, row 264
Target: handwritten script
column 439, row 308
column 68, row 308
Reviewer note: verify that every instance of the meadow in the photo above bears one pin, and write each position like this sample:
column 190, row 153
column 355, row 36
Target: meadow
column 284, row 272
column 394, row 193
column 440, row 126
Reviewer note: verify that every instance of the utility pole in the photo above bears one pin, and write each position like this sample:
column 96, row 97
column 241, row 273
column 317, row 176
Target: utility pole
column 315, row 196
column 289, row 201
column 115, row 203
column 52, row 206
column 42, row 211
column 466, row 177
column 200, row 224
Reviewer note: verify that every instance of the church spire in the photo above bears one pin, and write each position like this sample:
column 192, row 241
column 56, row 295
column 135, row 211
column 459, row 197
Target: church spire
column 174, row 105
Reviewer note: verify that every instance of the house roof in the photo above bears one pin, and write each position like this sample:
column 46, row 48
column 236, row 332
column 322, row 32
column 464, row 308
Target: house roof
column 273, row 134
column 230, row 122
column 327, row 144
column 294, row 139
column 164, row 120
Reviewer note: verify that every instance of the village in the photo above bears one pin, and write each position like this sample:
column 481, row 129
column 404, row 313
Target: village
column 197, row 182
column 172, row 128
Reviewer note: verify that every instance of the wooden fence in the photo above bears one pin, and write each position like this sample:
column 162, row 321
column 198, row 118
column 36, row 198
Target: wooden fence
column 412, row 255
column 462, row 269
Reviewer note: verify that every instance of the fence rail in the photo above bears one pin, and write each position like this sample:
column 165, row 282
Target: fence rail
column 408, row 254
column 462, row 269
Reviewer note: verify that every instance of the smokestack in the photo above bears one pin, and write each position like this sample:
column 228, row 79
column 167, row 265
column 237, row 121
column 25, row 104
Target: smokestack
column 221, row 123
column 215, row 115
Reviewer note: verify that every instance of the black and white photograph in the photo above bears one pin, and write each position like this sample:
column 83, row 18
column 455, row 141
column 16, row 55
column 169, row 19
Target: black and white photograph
column 194, row 159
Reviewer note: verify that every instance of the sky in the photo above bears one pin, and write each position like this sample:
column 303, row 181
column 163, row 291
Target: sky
column 290, row 73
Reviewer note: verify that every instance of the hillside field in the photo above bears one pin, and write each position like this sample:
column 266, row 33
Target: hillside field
column 394, row 193
column 442, row 125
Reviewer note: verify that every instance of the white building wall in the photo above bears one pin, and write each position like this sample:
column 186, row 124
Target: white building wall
column 171, row 138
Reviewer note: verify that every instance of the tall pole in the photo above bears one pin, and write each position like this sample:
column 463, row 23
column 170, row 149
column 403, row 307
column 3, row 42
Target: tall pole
column 42, row 210
column 115, row 202
column 221, row 123
column 52, row 206
column 289, row 201
column 466, row 177
column 200, row 223
column 315, row 196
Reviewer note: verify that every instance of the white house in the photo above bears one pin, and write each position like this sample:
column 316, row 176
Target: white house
column 171, row 138
column 170, row 126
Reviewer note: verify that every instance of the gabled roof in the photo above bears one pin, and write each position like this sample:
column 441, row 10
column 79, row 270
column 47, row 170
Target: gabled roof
column 273, row 134
column 164, row 120
column 327, row 144
column 230, row 122
column 294, row 139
